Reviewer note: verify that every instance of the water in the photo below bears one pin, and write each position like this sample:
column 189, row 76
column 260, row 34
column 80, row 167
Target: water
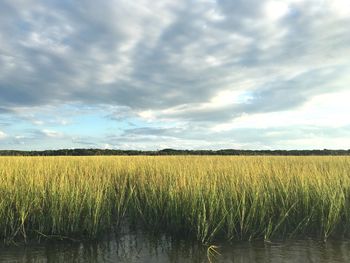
column 141, row 247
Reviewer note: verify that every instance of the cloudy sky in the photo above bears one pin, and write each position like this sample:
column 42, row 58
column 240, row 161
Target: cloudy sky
column 209, row 74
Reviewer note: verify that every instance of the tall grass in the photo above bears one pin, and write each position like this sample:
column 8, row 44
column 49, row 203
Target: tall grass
column 202, row 197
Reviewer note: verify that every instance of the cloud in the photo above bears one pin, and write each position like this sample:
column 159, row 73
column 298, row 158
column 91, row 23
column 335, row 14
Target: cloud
column 51, row 133
column 5, row 110
column 172, row 65
column 2, row 135
column 130, row 57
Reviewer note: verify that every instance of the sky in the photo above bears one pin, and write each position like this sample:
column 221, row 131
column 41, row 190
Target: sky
column 184, row 74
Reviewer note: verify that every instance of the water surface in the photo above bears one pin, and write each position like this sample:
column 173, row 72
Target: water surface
column 141, row 247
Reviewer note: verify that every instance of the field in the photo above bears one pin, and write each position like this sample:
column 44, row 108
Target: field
column 199, row 197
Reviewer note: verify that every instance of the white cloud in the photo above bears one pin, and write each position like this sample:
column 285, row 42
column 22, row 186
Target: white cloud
column 52, row 134
column 276, row 9
column 316, row 142
column 3, row 135
column 327, row 110
column 340, row 7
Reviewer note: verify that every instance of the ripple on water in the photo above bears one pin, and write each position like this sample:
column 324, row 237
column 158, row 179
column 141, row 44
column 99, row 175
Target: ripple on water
column 140, row 247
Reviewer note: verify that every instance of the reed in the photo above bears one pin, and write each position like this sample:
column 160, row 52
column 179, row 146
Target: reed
column 201, row 197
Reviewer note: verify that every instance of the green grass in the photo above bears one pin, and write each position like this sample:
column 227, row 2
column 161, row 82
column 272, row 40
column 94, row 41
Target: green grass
column 201, row 197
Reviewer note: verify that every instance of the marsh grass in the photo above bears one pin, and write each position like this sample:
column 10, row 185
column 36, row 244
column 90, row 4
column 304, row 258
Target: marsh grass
column 200, row 197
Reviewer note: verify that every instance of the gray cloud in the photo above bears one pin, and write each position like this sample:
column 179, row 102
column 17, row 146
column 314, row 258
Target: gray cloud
column 153, row 131
column 252, row 138
column 5, row 110
column 171, row 59
column 277, row 95
column 3, row 124
column 129, row 56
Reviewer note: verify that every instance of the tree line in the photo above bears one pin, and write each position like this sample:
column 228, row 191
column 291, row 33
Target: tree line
column 91, row 152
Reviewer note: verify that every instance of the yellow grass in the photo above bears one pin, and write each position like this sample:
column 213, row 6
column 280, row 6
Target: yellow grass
column 202, row 197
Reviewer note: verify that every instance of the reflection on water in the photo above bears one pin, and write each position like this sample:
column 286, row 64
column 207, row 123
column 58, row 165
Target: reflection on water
column 139, row 247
